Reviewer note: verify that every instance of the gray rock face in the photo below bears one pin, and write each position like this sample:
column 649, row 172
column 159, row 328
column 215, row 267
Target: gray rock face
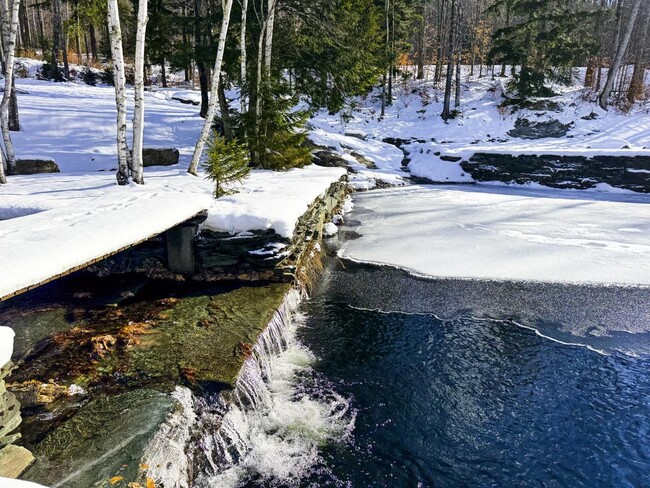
column 526, row 129
column 580, row 172
column 328, row 159
column 35, row 166
column 159, row 156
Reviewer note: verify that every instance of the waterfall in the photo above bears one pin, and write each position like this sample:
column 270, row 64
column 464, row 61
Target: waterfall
column 268, row 428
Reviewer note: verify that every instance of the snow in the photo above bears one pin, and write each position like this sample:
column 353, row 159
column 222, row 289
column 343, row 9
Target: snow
column 271, row 200
column 6, row 345
column 330, row 229
column 12, row 483
column 55, row 222
column 482, row 126
column 499, row 233
column 39, row 246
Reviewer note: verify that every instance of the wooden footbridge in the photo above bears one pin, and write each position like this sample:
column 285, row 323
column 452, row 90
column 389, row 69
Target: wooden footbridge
column 43, row 246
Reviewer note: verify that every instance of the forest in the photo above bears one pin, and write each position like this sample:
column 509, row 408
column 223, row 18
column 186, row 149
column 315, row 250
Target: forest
column 291, row 57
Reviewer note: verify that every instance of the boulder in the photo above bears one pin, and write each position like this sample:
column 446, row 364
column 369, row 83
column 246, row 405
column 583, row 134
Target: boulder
column 159, row 156
column 329, row 159
column 526, row 129
column 35, row 166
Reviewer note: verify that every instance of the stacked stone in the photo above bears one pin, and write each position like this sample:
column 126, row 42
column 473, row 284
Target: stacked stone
column 13, row 459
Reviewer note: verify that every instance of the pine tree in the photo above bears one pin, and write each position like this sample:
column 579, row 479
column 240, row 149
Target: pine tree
column 227, row 163
column 544, row 34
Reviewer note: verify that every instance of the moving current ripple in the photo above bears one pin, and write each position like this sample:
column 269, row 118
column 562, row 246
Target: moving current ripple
column 366, row 397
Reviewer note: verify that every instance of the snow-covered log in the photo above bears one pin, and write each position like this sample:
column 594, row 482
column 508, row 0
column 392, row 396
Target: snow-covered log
column 214, row 90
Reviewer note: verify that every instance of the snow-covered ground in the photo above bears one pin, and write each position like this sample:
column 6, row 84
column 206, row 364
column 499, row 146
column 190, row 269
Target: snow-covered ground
column 490, row 232
column 483, row 127
column 54, row 222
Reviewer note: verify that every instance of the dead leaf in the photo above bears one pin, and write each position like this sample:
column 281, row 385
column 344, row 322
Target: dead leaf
column 116, row 479
column 144, row 466
column 150, row 483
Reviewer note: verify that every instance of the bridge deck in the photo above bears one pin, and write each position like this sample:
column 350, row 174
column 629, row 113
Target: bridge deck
column 38, row 248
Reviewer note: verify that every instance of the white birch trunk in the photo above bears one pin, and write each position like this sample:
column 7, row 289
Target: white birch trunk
column 9, row 51
column 242, row 48
column 137, row 169
column 268, row 43
column 214, row 91
column 115, row 33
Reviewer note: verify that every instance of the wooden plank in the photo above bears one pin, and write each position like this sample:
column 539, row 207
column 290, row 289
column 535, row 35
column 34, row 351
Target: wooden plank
column 94, row 261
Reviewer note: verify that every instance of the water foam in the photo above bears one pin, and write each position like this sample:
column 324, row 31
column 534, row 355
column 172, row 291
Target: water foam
column 280, row 413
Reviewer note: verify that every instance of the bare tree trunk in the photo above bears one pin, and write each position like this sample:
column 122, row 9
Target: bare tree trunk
column 446, row 110
column 422, row 41
column 120, row 92
column 137, row 170
column 56, row 32
column 242, row 50
column 620, row 54
column 14, row 120
column 10, row 30
column 224, row 108
column 93, row 41
column 268, row 44
column 457, row 84
column 163, row 74
column 635, row 90
column 216, row 75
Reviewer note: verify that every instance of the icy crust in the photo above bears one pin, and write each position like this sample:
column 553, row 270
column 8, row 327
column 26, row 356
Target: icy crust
column 6, row 345
column 506, row 234
column 271, row 200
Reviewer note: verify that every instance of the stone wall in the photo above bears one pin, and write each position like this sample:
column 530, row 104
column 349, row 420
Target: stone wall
column 13, row 459
column 265, row 255
column 628, row 172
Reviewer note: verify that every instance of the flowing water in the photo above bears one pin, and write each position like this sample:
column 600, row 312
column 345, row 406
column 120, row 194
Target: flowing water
column 432, row 388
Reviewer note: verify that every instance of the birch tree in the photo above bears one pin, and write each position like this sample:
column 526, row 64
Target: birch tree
column 621, row 49
column 10, row 12
column 138, row 118
column 214, row 90
column 242, row 56
column 115, row 33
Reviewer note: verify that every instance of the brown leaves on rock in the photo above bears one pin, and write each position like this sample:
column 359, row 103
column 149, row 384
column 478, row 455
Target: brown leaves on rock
column 244, row 349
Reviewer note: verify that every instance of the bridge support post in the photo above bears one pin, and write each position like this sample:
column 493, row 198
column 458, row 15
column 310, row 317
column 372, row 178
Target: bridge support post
column 180, row 249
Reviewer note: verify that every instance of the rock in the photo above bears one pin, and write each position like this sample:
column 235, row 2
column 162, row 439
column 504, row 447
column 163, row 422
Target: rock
column 159, row 156
column 526, row 129
column 580, row 172
column 35, row 166
column 328, row 159
column 186, row 101
column 364, row 161
column 32, row 393
column 357, row 134
column 14, row 460
column 450, row 159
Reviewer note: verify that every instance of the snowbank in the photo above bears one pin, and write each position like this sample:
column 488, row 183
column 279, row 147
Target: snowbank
column 6, row 345
column 11, row 483
column 506, row 234
column 271, row 200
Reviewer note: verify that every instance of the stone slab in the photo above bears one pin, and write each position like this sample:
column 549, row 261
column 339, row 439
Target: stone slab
column 14, row 460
